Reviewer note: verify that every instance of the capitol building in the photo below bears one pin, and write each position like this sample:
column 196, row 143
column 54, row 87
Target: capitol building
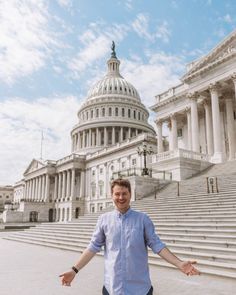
column 112, row 127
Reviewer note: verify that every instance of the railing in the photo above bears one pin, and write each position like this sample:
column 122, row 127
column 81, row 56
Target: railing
column 180, row 153
column 68, row 158
column 164, row 175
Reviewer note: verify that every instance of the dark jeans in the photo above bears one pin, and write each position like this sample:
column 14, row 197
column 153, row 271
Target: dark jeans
column 105, row 292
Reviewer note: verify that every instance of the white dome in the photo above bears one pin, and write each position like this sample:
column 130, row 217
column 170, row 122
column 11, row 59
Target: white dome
column 113, row 83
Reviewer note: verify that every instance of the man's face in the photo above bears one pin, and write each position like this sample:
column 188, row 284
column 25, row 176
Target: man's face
column 121, row 197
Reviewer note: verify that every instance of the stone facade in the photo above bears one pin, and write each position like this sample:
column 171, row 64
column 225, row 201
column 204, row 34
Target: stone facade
column 200, row 113
column 112, row 124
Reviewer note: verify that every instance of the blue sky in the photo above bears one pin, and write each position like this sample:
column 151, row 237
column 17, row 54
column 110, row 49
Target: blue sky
column 52, row 52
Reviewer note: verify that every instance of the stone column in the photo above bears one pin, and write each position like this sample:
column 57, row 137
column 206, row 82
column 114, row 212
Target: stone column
column 194, row 123
column 113, row 135
column 217, row 137
column 78, row 141
column 160, row 147
column 230, row 127
column 68, row 183
column 30, row 189
column 129, row 133
column 39, row 188
column 73, row 184
column 82, row 184
column 121, row 133
column 209, row 135
column 60, row 185
column 105, row 136
column 63, row 184
column 84, row 143
column 97, row 137
column 33, row 188
column 233, row 77
column 43, row 187
column 56, row 187
column 93, row 139
column 174, row 139
column 36, row 188
column 47, row 188
column 90, row 137
column 189, row 128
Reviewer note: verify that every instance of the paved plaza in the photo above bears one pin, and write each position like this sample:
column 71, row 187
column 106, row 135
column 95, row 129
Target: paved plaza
column 30, row 269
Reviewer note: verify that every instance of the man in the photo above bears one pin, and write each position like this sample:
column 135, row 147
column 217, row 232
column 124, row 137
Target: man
column 125, row 235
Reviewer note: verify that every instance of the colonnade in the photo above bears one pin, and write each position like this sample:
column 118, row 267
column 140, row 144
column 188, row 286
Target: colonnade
column 65, row 185
column 37, row 188
column 102, row 136
column 213, row 123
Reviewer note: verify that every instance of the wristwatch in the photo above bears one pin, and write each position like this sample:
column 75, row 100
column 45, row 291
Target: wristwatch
column 75, row 269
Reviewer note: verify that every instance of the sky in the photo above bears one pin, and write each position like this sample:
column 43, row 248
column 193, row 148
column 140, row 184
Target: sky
column 53, row 51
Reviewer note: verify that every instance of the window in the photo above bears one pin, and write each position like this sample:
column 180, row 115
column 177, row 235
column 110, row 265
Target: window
column 123, row 165
column 139, row 115
column 97, row 112
column 93, row 172
column 180, row 132
column 87, row 115
column 133, row 162
column 101, row 170
column 116, row 111
column 110, row 112
column 103, row 112
column 134, row 114
column 123, row 112
column 93, row 190
column 128, row 113
column 101, row 190
column 91, row 113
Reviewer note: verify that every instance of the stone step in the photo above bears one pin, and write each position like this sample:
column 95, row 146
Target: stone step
column 208, row 267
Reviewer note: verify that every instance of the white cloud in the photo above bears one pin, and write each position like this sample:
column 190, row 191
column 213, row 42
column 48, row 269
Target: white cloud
column 21, row 125
column 228, row 19
column 163, row 32
column 25, row 40
column 155, row 76
column 65, row 3
column 141, row 26
column 96, row 43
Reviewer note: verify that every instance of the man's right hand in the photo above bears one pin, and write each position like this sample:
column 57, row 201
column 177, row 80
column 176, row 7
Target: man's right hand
column 67, row 278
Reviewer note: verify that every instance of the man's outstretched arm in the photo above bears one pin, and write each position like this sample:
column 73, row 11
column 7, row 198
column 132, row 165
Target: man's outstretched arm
column 185, row 266
column 67, row 277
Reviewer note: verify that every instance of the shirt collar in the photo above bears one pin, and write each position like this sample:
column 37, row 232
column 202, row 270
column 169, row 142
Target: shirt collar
column 126, row 214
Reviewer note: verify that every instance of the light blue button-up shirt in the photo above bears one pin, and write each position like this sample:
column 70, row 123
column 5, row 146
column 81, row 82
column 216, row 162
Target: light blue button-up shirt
column 125, row 238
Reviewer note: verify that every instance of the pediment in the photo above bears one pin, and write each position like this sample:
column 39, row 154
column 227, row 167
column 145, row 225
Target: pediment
column 223, row 51
column 34, row 165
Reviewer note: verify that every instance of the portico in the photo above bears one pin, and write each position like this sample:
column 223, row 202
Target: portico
column 204, row 119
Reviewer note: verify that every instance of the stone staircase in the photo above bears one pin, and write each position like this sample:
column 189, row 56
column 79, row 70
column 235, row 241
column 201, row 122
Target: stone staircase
column 194, row 225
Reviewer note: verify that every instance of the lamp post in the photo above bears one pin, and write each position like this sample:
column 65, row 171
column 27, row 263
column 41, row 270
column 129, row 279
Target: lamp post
column 145, row 150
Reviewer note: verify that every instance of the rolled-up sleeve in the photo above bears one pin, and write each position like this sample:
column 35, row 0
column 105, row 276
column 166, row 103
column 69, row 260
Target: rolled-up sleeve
column 98, row 237
column 152, row 239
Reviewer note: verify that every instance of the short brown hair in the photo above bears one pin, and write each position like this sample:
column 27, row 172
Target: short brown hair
column 121, row 182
